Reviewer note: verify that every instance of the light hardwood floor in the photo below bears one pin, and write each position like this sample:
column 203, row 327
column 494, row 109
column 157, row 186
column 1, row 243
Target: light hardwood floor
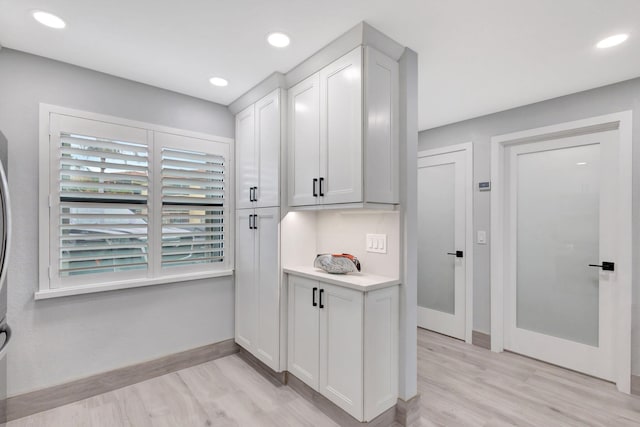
column 460, row 384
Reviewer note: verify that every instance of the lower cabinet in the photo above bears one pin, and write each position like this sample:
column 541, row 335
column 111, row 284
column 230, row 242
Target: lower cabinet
column 343, row 342
column 257, row 282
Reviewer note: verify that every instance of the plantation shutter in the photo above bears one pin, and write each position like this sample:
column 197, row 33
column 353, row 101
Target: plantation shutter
column 103, row 204
column 193, row 204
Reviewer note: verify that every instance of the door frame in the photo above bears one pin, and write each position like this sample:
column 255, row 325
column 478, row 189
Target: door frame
column 467, row 148
column 622, row 122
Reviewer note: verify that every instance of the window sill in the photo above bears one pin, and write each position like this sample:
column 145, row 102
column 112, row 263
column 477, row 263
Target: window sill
column 126, row 284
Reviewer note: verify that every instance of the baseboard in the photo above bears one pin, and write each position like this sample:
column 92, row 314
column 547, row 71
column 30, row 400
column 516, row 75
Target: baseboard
column 408, row 412
column 635, row 385
column 277, row 378
column 42, row 400
column 333, row 411
column 481, row 339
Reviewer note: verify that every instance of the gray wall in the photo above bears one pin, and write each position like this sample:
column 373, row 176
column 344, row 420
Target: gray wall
column 68, row 338
column 609, row 99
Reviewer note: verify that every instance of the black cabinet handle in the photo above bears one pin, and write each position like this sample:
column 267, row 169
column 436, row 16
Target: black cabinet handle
column 315, row 291
column 251, row 194
column 250, row 222
column 458, row 254
column 321, row 192
column 315, row 181
column 255, row 194
column 606, row 266
column 255, row 222
column 321, row 293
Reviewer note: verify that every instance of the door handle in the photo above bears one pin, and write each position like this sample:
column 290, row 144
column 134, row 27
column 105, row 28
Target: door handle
column 315, row 181
column 315, row 291
column 458, row 254
column 605, row 266
column 321, row 191
column 6, row 330
column 321, row 293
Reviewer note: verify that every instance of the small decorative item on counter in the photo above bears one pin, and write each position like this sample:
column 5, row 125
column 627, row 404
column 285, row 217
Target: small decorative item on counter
column 337, row 263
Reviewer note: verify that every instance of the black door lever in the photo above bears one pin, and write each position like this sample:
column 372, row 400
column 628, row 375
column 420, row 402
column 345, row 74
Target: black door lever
column 605, row 266
column 458, row 254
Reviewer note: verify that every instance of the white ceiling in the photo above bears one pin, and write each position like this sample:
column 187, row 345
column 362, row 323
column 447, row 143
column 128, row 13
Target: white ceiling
column 476, row 56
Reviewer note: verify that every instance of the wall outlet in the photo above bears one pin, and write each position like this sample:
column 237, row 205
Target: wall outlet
column 377, row 243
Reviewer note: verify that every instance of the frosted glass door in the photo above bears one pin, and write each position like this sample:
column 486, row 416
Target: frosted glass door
column 441, row 243
column 561, row 195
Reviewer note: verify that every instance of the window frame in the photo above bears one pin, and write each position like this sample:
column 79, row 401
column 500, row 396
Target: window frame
column 50, row 285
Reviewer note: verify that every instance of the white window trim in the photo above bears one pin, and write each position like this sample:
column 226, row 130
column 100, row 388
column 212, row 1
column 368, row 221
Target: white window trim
column 45, row 291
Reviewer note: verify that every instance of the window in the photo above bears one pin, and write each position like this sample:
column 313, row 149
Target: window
column 130, row 204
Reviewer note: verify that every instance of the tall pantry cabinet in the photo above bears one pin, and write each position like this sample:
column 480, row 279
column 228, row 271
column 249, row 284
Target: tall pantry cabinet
column 257, row 228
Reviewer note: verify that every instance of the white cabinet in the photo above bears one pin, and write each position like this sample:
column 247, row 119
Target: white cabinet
column 343, row 133
column 342, row 342
column 258, row 153
column 304, row 142
column 257, row 277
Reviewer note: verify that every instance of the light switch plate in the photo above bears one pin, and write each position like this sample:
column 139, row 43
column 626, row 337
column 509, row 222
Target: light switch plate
column 482, row 237
column 377, row 243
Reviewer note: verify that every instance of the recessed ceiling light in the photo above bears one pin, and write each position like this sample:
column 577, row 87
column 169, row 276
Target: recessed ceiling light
column 48, row 19
column 612, row 41
column 278, row 39
column 218, row 81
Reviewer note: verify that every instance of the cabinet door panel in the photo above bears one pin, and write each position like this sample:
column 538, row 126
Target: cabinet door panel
column 381, row 138
column 268, row 277
column 303, row 331
column 341, row 348
column 341, row 129
column 304, row 140
column 245, row 276
column 268, row 147
column 246, row 165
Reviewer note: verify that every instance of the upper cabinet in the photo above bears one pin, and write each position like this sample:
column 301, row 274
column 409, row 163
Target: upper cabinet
column 258, row 153
column 343, row 133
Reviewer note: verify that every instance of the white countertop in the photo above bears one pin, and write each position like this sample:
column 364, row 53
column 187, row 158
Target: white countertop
column 359, row 281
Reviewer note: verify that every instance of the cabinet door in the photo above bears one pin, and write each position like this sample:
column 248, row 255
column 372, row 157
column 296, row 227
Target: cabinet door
column 303, row 330
column 381, row 137
column 268, row 147
column 246, row 287
column 341, row 348
column 304, row 141
column 246, row 165
column 267, row 339
column 341, row 129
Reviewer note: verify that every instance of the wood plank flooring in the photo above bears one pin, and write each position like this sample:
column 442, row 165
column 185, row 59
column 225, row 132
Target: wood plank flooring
column 460, row 385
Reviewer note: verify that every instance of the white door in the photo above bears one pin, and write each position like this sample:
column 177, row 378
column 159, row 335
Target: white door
column 340, row 178
column 246, row 165
column 304, row 142
column 561, row 205
column 246, row 300
column 267, row 191
column 443, row 190
column 304, row 329
column 341, row 347
column 267, row 340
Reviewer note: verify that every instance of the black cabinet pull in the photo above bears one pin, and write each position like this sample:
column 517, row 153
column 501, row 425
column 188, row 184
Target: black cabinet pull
column 321, row 293
column 255, row 194
column 315, row 181
column 250, row 222
column 315, row 290
column 606, row 266
column 458, row 254
column 251, row 194
column 321, row 191
column 255, row 222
